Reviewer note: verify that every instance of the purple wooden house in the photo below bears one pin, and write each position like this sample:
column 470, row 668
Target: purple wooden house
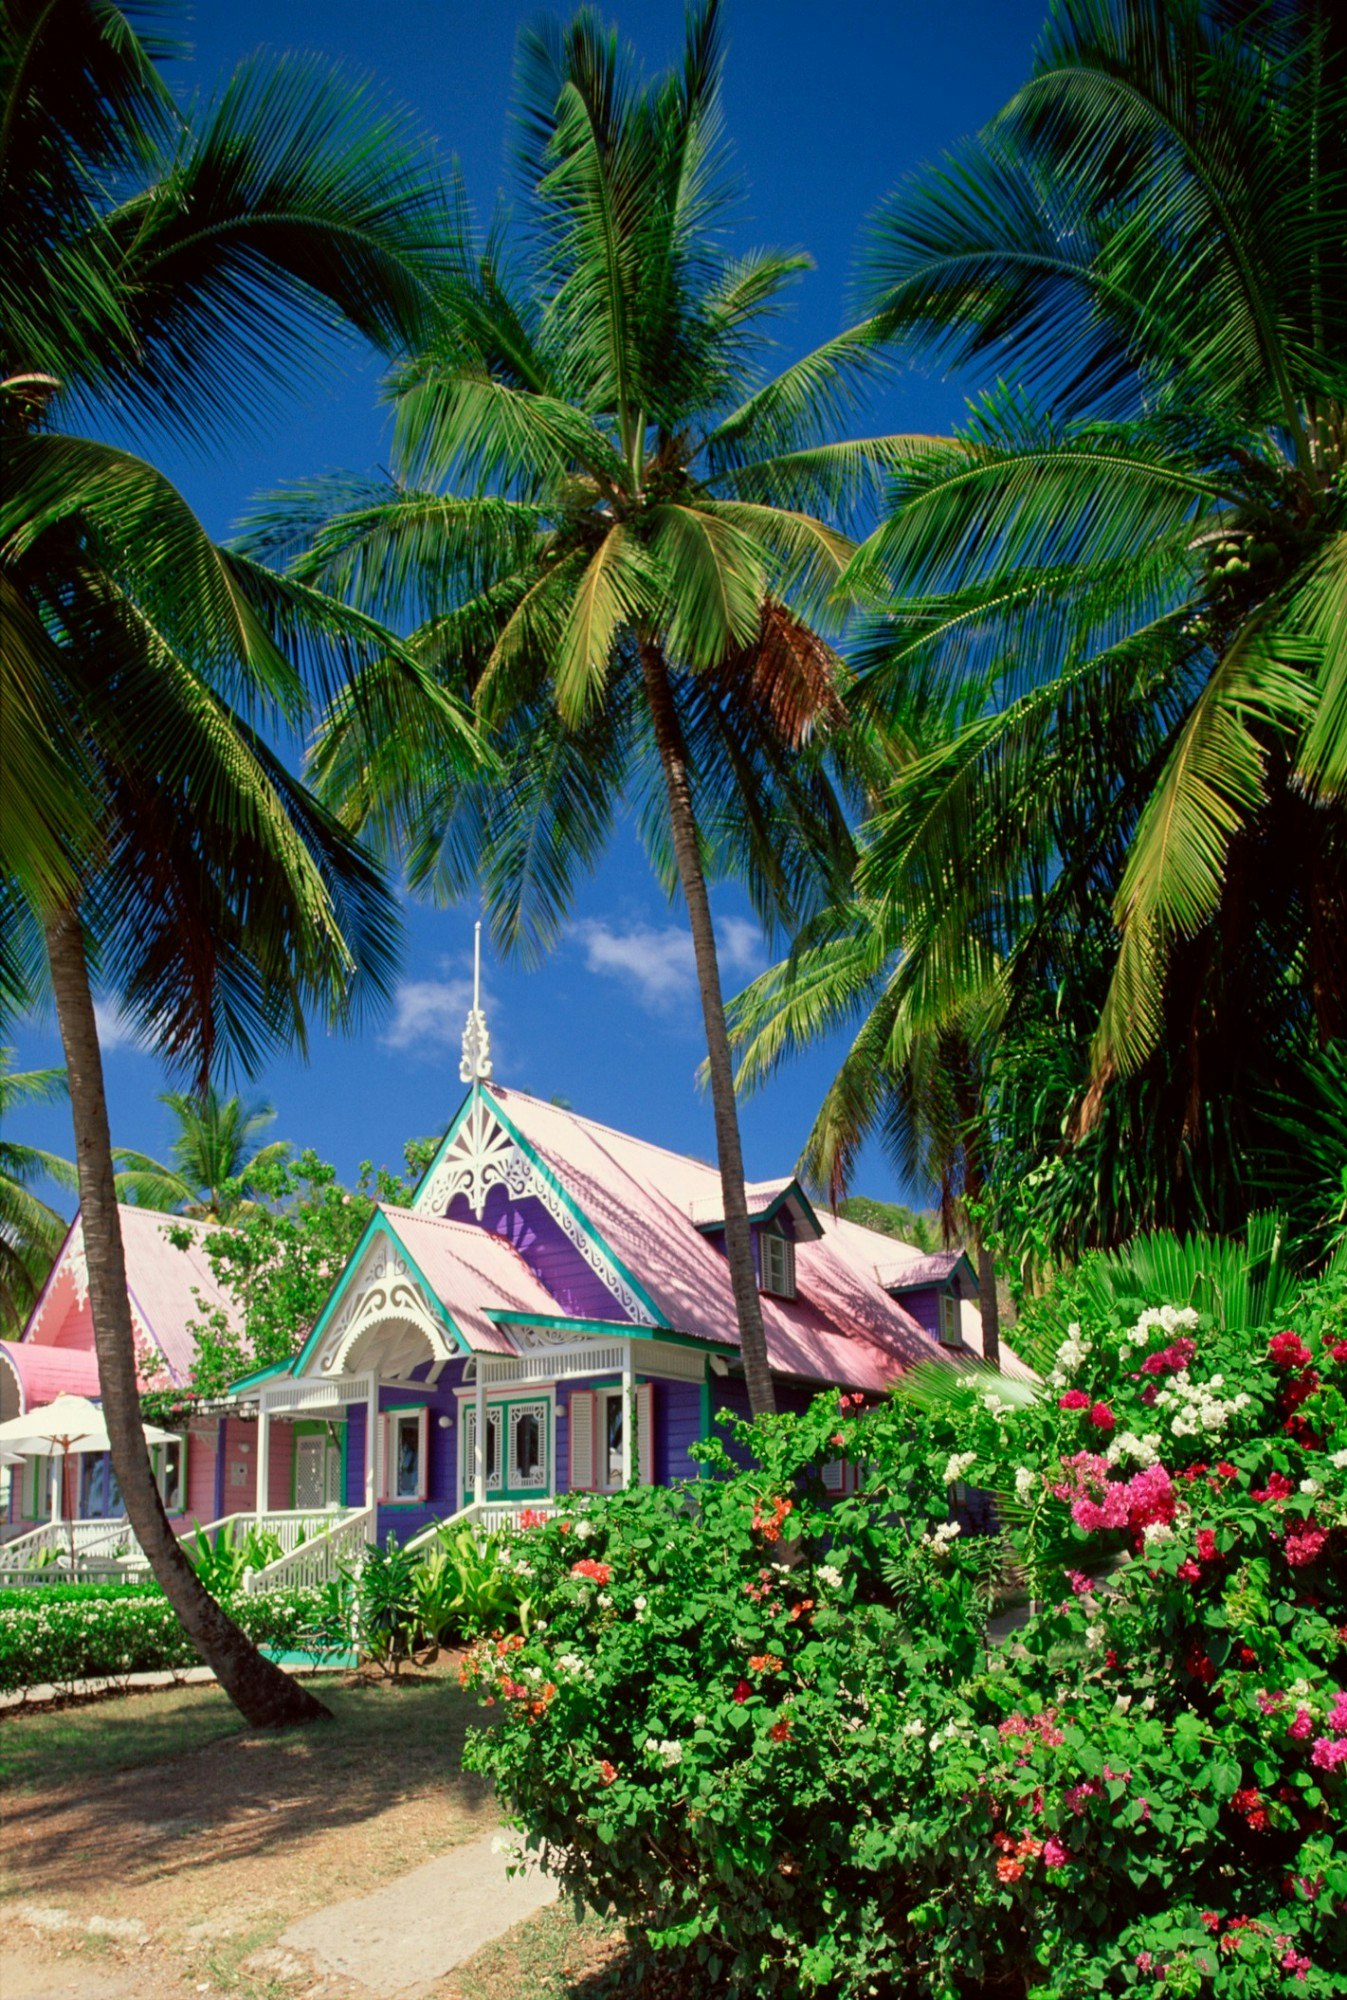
column 553, row 1314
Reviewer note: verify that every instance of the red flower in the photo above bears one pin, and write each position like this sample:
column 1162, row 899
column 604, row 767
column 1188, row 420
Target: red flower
column 742, row 1690
column 779, row 1731
column 1168, row 1360
column 1302, row 1548
column 1074, row 1399
column 1288, row 1350
column 1279, row 1487
column 1337, row 1349
column 1189, row 1571
column 1207, row 1550
column 1201, row 1666
column 1226, row 1469
column 595, row 1572
column 1102, row 1417
column 606, row 1772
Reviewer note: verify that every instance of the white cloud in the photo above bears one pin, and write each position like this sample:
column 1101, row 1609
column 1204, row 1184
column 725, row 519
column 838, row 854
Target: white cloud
column 657, row 962
column 428, row 1013
column 115, row 1031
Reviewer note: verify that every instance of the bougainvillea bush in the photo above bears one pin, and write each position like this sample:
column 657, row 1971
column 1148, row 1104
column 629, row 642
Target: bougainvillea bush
column 773, row 1728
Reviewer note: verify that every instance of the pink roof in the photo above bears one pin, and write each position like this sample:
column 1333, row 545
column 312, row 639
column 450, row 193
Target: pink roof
column 44, row 1373
column 162, row 1283
column 470, row 1270
column 842, row 1327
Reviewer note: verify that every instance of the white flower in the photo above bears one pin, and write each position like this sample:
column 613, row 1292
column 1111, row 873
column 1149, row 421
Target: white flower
column 1339, row 1460
column 828, row 1573
column 1310, row 1487
column 939, row 1542
column 1141, row 1450
column 570, row 1663
column 641, row 1603
column 958, row 1465
column 667, row 1752
column 1122, row 1702
column 914, row 1728
column 1026, row 1480
column 1157, row 1531
column 583, row 1530
column 1095, row 1635
column 605, row 1598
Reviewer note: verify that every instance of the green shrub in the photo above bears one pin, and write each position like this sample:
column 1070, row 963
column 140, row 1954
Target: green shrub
column 221, row 1559
column 771, row 1729
column 396, row 1603
column 73, row 1593
column 61, row 1640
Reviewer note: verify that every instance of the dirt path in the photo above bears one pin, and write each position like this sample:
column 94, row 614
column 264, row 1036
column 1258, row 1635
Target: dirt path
column 152, row 1840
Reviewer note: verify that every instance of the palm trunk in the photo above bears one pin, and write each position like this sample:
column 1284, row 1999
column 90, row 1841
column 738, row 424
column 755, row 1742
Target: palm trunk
column 729, row 1151
column 975, row 1188
column 263, row 1694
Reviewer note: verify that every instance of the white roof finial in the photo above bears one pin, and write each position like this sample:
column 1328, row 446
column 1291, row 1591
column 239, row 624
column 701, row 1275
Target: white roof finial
column 476, row 1064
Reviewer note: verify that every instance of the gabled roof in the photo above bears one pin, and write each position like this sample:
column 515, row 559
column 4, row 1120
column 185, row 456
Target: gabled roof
column 32, row 1374
column 842, row 1326
column 914, row 1274
column 766, row 1200
column 162, row 1282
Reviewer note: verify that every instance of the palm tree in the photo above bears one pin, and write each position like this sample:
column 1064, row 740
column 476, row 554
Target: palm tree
column 914, row 1075
column 157, row 269
column 30, row 1231
column 618, row 539
column 216, row 1156
column 1138, row 557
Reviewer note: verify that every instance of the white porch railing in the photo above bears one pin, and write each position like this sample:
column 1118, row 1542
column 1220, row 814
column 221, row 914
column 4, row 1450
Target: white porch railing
column 292, row 1526
column 316, row 1560
column 487, row 1514
column 104, row 1537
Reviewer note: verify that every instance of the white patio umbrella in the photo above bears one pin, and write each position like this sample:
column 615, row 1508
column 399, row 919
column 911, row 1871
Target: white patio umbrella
column 68, row 1423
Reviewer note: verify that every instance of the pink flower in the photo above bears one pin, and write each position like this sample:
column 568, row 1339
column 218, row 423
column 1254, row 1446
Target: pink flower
column 1074, row 1399
column 1304, row 1547
column 1054, row 1854
column 1337, row 1715
column 1207, row 1551
column 1080, row 1583
column 1168, row 1360
column 1279, row 1487
column 1102, row 1417
column 1288, row 1350
column 1189, row 1571
column 1302, row 1726
column 1269, row 1703
column 1327, row 1755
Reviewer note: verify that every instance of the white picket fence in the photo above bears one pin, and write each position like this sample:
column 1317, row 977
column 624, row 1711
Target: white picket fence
column 339, row 1539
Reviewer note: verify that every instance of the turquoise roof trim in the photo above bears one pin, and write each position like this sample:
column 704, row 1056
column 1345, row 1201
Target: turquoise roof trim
column 259, row 1375
column 624, row 1329
column 378, row 1225
column 541, row 1168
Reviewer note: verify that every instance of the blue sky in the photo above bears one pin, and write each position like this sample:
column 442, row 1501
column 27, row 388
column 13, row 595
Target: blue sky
column 828, row 107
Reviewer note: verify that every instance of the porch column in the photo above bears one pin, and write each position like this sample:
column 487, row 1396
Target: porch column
column 628, row 1413
column 479, row 1441
column 262, row 1497
column 372, row 1442
column 55, row 1481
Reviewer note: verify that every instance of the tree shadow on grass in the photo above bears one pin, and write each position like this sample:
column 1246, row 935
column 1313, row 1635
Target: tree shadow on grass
column 203, row 1793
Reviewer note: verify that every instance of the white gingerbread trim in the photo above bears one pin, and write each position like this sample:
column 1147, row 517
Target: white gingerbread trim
column 384, row 1291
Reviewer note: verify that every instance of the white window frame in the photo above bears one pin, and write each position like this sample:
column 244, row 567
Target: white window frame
column 950, row 1332
column 419, row 1415
column 160, row 1458
column 776, row 1261
column 497, row 1408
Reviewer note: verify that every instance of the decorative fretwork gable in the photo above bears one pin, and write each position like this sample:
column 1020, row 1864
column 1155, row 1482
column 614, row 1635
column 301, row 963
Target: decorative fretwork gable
column 482, row 1152
column 383, row 1291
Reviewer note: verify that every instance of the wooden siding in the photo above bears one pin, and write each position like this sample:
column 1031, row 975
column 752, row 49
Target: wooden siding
column 202, row 1458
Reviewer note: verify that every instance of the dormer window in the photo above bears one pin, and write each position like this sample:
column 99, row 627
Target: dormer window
column 776, row 1256
column 949, row 1320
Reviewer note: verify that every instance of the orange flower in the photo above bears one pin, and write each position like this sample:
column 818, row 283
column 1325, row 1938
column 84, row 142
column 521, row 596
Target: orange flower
column 1008, row 1869
column 779, row 1731
column 606, row 1772
column 766, row 1663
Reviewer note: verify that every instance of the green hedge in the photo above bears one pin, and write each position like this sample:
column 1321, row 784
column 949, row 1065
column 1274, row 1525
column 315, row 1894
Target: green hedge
column 71, row 1635
column 31, row 1595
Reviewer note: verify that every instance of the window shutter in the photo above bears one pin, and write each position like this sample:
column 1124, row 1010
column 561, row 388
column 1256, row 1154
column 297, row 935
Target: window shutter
column 949, row 1320
column 582, row 1441
column 645, row 1433
column 183, row 1488
column 834, row 1476
column 423, row 1453
column 384, row 1447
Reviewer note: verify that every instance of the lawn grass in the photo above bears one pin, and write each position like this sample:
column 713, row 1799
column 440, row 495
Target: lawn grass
column 554, row 1956
column 46, row 1749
